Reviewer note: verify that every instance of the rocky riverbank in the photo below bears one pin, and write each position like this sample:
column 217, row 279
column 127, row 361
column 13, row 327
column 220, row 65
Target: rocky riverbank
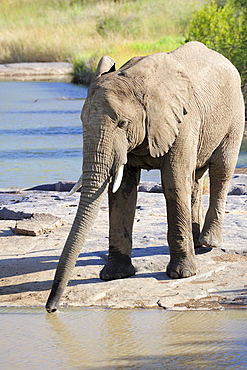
column 36, row 71
column 28, row 262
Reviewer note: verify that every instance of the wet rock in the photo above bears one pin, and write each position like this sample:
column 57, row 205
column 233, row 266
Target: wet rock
column 39, row 223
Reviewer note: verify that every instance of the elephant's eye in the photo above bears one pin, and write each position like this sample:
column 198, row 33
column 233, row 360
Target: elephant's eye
column 122, row 123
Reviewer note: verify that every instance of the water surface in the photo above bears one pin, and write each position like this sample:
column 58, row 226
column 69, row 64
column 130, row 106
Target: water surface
column 40, row 132
column 122, row 339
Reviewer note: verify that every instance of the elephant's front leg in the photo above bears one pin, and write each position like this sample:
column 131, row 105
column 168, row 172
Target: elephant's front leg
column 122, row 206
column 178, row 199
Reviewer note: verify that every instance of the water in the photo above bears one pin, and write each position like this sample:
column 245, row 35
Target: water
column 41, row 135
column 40, row 132
column 122, row 339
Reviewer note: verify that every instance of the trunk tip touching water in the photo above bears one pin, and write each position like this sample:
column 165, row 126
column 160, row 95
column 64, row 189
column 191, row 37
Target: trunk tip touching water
column 50, row 307
column 54, row 298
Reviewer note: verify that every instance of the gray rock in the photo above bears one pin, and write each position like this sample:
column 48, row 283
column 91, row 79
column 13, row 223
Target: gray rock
column 150, row 187
column 58, row 186
column 32, row 71
column 238, row 185
column 39, row 223
column 8, row 214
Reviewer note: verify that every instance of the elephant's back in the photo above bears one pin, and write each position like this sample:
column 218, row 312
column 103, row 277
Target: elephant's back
column 217, row 101
column 206, row 64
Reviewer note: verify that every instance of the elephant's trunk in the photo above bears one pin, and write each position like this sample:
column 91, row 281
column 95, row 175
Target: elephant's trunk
column 88, row 208
column 101, row 159
column 97, row 166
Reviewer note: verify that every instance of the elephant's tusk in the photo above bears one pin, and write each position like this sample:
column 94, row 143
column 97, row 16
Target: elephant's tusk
column 118, row 179
column 75, row 187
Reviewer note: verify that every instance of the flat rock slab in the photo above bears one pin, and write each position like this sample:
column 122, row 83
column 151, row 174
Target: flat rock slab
column 28, row 263
column 37, row 224
column 33, row 71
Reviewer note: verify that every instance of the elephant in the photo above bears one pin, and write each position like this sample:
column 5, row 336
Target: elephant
column 181, row 112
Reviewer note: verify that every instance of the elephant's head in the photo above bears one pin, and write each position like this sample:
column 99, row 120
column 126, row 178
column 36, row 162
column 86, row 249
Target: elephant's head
column 144, row 100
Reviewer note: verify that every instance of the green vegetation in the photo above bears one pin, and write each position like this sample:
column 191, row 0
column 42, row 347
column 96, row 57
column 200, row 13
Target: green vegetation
column 81, row 31
column 224, row 29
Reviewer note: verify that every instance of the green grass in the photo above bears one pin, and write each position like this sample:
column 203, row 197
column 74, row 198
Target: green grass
column 81, row 31
column 164, row 44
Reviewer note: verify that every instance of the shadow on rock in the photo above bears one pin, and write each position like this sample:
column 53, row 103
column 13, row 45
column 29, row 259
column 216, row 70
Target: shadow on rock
column 33, row 286
column 29, row 265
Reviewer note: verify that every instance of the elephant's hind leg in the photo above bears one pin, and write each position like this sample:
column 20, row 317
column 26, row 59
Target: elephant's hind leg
column 197, row 211
column 122, row 206
column 221, row 169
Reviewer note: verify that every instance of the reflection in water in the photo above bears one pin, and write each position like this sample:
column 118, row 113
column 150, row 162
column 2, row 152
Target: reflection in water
column 123, row 339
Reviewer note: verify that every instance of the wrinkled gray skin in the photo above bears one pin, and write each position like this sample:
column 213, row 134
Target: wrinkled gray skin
column 180, row 112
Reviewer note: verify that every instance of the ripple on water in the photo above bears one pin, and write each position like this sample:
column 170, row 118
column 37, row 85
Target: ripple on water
column 126, row 339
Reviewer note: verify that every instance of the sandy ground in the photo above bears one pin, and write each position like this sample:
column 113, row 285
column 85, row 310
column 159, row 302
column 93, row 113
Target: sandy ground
column 28, row 263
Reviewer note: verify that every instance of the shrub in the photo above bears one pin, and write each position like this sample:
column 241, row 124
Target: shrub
column 84, row 70
column 224, row 29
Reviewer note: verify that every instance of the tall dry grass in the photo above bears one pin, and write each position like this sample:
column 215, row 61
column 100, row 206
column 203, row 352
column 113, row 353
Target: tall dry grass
column 81, row 31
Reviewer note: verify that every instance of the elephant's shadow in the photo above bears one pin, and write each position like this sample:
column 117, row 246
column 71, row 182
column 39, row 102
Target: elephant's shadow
column 17, row 267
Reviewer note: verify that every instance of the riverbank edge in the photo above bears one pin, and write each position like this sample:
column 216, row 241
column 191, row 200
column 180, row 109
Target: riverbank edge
column 39, row 71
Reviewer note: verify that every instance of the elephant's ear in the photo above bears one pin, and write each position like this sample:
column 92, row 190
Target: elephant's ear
column 105, row 65
column 168, row 90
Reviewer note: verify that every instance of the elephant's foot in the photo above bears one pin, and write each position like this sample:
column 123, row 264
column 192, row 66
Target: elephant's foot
column 211, row 238
column 118, row 266
column 177, row 269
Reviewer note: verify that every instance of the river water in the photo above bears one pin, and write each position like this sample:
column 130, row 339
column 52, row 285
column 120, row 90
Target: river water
column 122, row 339
column 41, row 135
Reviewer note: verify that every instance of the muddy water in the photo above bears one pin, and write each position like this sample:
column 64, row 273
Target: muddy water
column 122, row 339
